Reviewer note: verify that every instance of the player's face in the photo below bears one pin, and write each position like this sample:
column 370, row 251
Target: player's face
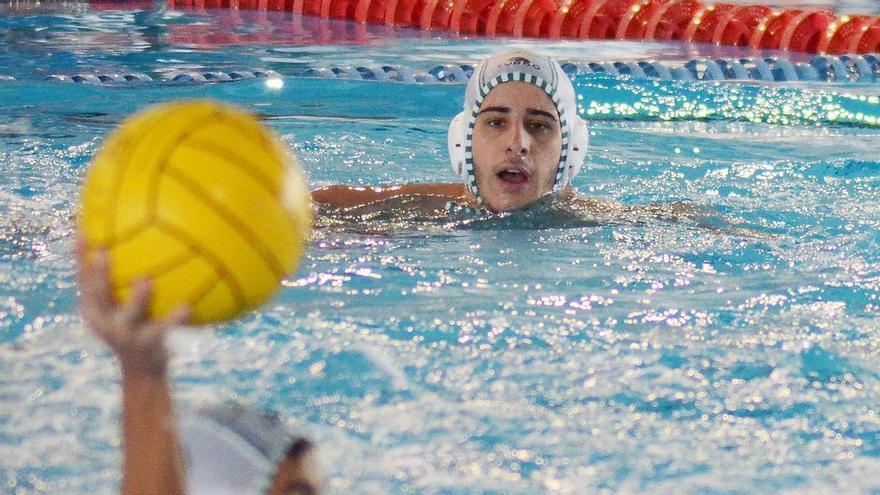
column 517, row 143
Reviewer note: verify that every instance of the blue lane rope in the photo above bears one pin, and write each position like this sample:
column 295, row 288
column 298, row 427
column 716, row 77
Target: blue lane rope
column 643, row 90
column 823, row 68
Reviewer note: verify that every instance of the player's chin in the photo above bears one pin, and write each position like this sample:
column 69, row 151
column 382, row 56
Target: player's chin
column 503, row 202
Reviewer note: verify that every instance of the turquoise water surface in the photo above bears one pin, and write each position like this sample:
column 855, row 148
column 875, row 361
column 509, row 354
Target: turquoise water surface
column 730, row 351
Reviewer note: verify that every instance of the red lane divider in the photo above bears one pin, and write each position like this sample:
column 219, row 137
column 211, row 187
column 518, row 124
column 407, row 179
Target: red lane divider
column 601, row 21
column 755, row 26
column 533, row 18
column 634, row 23
column 768, row 33
column 672, row 19
column 805, row 30
column 846, row 35
column 736, row 28
column 565, row 20
column 703, row 25
column 869, row 40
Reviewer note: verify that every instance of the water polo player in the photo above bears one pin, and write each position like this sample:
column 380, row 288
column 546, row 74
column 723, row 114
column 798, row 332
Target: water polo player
column 225, row 449
column 518, row 139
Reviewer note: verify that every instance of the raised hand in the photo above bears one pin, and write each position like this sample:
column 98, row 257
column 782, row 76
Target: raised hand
column 137, row 341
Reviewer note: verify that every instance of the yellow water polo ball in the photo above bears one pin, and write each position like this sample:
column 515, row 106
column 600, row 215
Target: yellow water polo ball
column 204, row 200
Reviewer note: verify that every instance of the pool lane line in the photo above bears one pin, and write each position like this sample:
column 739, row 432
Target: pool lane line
column 823, row 68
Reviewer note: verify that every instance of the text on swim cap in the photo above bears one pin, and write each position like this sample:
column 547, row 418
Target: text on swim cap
column 522, row 61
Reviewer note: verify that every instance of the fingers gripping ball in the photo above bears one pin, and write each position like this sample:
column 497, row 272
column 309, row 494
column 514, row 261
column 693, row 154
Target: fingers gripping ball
column 202, row 199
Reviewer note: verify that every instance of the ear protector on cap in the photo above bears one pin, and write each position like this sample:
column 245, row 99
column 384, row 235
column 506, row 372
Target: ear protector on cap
column 580, row 142
column 456, row 143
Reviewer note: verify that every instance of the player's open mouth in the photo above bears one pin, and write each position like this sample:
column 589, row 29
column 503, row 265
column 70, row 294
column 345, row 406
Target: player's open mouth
column 514, row 176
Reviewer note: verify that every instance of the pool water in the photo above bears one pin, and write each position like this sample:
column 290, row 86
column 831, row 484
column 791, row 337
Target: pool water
column 736, row 352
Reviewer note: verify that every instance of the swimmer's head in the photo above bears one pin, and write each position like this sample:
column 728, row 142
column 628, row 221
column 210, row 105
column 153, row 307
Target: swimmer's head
column 232, row 449
column 519, row 136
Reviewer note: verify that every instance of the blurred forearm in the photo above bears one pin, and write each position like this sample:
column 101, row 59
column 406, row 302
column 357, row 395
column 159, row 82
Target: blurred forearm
column 149, row 436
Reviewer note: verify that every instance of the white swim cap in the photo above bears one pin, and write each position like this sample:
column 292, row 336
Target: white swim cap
column 231, row 450
column 523, row 66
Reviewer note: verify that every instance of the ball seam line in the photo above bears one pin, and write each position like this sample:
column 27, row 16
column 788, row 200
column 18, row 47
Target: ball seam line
column 233, row 159
column 156, row 271
column 153, row 122
column 203, row 290
column 153, row 189
column 231, row 220
column 212, row 258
